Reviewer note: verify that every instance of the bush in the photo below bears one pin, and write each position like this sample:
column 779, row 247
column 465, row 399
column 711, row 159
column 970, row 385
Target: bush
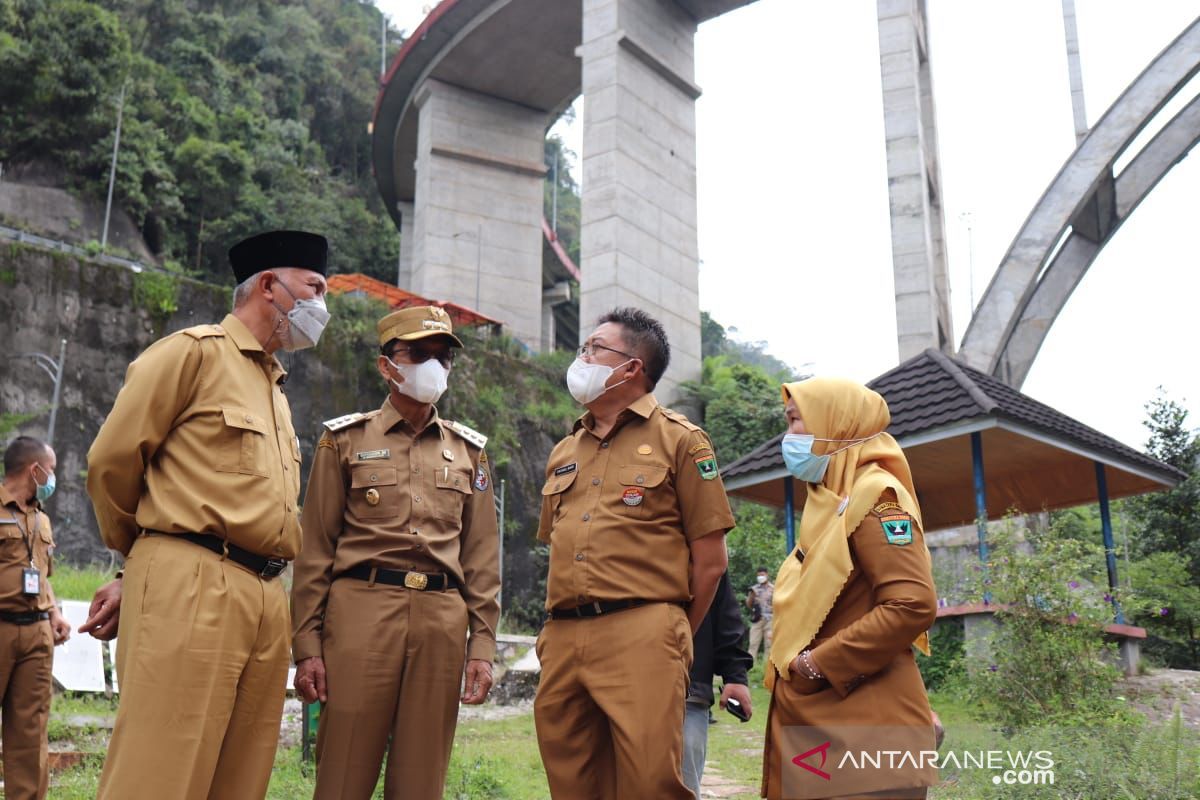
column 1047, row 662
column 944, row 666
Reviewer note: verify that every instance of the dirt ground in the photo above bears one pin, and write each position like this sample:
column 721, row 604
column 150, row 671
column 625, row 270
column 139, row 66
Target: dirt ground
column 1157, row 693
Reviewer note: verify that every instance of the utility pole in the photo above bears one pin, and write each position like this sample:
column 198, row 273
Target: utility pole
column 112, row 171
column 1074, row 71
column 383, row 45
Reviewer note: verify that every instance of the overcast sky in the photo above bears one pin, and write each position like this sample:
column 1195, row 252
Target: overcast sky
column 793, row 188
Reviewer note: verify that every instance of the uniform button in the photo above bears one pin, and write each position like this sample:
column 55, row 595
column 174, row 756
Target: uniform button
column 415, row 531
column 249, row 418
column 457, row 481
column 595, row 481
column 416, row 469
column 416, row 499
column 285, row 468
column 586, row 517
column 640, row 479
column 579, row 556
column 374, row 478
column 420, row 546
column 604, row 444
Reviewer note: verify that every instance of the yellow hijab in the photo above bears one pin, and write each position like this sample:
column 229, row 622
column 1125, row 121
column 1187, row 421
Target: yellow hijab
column 833, row 408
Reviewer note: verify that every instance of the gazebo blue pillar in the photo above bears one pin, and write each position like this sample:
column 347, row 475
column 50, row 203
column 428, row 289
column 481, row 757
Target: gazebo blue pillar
column 980, row 502
column 980, row 494
column 789, row 511
column 1110, row 555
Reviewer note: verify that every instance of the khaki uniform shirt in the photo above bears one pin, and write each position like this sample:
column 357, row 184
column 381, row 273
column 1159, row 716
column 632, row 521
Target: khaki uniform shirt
column 200, row 439
column 763, row 595
column 19, row 532
column 382, row 494
column 619, row 512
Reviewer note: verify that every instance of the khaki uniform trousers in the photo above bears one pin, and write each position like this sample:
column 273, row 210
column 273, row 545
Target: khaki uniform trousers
column 610, row 703
column 202, row 665
column 26, row 656
column 394, row 662
column 760, row 633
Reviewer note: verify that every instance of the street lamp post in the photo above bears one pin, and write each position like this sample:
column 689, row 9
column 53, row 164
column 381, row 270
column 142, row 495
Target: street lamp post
column 55, row 370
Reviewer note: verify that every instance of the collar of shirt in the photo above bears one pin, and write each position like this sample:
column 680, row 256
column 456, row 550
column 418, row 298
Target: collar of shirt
column 7, row 498
column 247, row 343
column 643, row 407
column 391, row 418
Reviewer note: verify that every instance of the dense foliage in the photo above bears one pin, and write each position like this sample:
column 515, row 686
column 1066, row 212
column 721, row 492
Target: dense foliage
column 237, row 117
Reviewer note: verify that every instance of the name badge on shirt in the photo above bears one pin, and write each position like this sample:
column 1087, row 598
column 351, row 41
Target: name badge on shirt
column 567, row 470
column 374, row 455
column 32, row 580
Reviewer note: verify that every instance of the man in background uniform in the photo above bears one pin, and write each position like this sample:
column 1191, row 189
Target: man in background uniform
column 30, row 623
column 632, row 507
column 759, row 600
column 194, row 476
column 400, row 564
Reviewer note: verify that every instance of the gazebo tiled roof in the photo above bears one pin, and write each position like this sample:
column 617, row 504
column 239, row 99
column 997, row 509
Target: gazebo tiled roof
column 1036, row 457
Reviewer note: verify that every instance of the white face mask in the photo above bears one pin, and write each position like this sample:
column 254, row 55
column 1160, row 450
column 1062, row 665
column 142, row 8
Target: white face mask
column 424, row 382
column 586, row 381
column 306, row 322
column 762, row 579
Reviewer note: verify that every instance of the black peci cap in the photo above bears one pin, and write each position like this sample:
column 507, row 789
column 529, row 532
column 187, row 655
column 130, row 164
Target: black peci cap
column 274, row 249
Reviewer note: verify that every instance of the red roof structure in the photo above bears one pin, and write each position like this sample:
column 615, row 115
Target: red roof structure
column 395, row 297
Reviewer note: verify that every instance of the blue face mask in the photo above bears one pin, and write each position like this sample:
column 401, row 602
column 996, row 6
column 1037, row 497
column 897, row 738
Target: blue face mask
column 800, row 461
column 43, row 490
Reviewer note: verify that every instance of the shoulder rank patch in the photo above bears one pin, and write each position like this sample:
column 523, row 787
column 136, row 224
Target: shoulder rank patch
column 897, row 528
column 203, row 331
column 345, row 421
column 483, row 458
column 326, row 441
column 682, row 419
column 707, row 464
column 696, row 448
column 474, row 437
column 481, row 478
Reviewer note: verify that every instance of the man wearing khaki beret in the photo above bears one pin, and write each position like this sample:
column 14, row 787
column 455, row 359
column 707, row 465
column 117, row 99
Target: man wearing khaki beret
column 395, row 594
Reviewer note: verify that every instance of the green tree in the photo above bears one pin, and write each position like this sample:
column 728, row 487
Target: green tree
column 1165, row 540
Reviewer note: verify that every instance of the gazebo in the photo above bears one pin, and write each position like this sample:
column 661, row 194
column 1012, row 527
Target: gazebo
column 978, row 450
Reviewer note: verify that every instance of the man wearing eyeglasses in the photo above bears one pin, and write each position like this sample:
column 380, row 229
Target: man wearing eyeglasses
column 635, row 514
column 396, row 586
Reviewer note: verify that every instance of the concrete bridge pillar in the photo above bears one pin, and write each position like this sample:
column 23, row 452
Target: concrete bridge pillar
column 639, row 172
column 476, row 232
column 405, row 267
column 922, row 287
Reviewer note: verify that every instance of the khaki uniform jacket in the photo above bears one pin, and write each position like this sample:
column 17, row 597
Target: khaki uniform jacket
column 200, row 439
column 863, row 648
column 619, row 513
column 20, row 533
column 381, row 494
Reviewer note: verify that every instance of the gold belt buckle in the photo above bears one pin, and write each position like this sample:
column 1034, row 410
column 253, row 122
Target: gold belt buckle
column 416, row 580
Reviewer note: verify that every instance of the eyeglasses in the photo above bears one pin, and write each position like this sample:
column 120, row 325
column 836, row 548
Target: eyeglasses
column 419, row 355
column 588, row 350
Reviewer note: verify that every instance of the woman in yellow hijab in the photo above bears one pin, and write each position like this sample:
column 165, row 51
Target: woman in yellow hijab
column 849, row 716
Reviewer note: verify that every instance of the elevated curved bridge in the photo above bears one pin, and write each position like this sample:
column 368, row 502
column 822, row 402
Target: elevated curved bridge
column 1079, row 213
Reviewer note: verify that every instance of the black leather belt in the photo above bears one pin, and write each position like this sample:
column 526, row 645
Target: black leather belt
column 263, row 567
column 24, row 617
column 597, row 608
column 432, row 582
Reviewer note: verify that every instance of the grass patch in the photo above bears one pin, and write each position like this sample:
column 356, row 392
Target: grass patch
column 79, row 583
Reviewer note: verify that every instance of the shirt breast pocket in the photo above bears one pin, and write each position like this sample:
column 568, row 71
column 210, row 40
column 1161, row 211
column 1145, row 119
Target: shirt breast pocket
column 553, row 495
column 243, row 447
column 374, row 492
column 643, row 490
column 453, row 489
